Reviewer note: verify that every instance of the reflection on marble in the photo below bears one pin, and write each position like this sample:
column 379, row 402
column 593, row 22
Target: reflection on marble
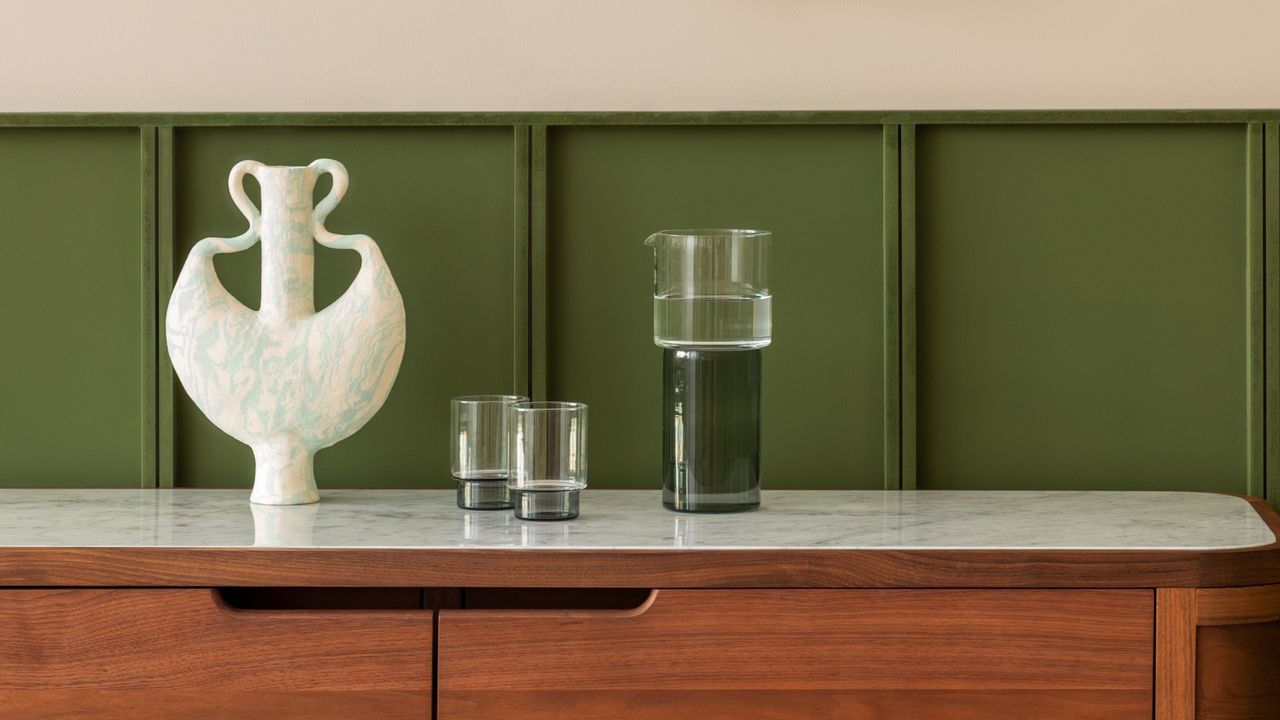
column 284, row 525
column 635, row 519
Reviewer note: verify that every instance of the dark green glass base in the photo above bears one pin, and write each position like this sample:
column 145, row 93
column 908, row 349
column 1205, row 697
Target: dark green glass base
column 705, row 507
column 546, row 504
column 488, row 494
column 711, row 430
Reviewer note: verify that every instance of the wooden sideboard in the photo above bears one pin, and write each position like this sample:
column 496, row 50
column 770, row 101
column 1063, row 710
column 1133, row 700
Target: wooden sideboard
column 192, row 605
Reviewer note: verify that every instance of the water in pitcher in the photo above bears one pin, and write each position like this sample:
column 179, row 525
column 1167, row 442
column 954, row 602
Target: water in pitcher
column 719, row 321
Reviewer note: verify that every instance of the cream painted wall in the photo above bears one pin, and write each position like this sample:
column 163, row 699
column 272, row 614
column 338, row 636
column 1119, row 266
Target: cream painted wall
column 64, row 55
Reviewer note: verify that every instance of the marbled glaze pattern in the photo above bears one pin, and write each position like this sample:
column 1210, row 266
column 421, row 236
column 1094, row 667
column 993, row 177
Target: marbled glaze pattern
column 286, row 380
column 635, row 519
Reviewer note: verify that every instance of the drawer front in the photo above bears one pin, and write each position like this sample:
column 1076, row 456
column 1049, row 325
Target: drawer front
column 185, row 654
column 738, row 654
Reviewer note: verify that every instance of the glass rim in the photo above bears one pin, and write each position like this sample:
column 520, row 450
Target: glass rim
column 479, row 399
column 545, row 405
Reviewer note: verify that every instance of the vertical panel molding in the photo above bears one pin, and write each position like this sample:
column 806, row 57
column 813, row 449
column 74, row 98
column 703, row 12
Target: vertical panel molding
column 892, row 309
column 150, row 313
column 1271, row 332
column 164, row 209
column 907, row 203
column 522, row 348
column 1257, row 306
column 538, row 260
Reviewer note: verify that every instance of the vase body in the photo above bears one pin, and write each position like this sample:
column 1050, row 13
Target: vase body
column 284, row 379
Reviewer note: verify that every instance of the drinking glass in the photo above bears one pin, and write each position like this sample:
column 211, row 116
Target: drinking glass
column 478, row 432
column 547, row 449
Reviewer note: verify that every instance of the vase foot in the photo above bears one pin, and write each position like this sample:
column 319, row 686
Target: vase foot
column 284, row 473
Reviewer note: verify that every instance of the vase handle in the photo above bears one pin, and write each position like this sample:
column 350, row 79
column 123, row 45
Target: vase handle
column 235, row 184
column 245, row 240
column 330, row 201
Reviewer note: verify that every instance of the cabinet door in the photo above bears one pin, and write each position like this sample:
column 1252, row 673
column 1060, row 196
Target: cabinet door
column 185, row 654
column 735, row 654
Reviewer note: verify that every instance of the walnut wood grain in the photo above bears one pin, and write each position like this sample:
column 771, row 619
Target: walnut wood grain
column 801, row 705
column 1237, row 653
column 781, row 568
column 183, row 654
column 815, row 653
column 1175, row 654
column 1235, row 606
column 207, row 705
column 201, row 567
column 1238, row 674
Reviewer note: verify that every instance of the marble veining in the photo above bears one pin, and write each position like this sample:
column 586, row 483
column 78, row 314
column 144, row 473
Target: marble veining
column 635, row 519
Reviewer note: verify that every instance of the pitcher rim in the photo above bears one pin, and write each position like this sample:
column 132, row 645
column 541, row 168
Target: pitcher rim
column 705, row 233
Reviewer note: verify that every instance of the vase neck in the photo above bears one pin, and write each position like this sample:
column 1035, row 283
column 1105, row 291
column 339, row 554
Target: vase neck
column 288, row 251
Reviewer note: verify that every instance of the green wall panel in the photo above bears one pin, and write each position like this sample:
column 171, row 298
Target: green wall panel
column 72, row 309
column 819, row 189
column 1081, row 292
column 440, row 203
column 1083, row 311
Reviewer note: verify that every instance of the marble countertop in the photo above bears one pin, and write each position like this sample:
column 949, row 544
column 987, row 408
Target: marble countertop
column 636, row 520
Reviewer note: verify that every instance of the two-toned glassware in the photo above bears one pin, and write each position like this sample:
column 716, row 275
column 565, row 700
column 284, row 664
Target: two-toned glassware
column 712, row 314
column 480, row 464
column 547, row 448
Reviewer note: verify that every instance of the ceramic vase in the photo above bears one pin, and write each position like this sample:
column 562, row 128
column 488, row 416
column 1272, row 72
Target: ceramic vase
column 286, row 380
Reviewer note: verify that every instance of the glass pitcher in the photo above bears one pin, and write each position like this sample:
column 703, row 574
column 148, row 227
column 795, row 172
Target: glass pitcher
column 712, row 312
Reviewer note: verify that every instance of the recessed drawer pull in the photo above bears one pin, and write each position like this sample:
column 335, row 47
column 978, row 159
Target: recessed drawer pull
column 321, row 599
column 557, row 602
